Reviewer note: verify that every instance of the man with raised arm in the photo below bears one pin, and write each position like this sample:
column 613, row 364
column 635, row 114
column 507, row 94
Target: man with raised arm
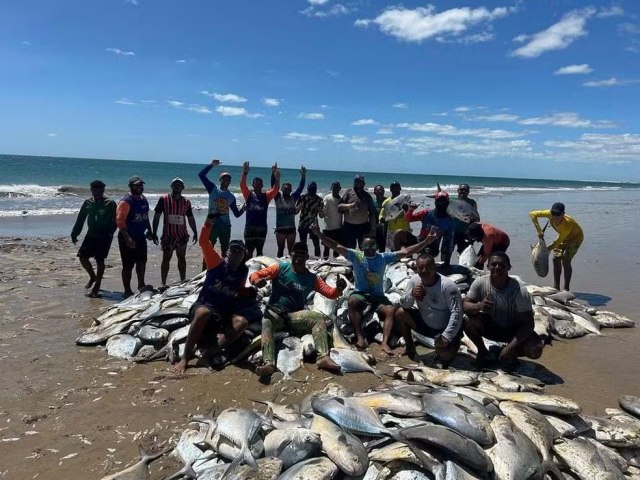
column 176, row 211
column 256, row 203
column 221, row 200
column 291, row 284
column 223, row 297
column 285, row 202
column 368, row 270
column 100, row 213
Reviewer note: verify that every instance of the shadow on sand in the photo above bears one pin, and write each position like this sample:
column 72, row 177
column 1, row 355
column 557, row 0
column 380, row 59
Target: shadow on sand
column 593, row 299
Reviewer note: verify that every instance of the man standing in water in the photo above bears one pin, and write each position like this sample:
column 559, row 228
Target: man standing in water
column 100, row 213
column 177, row 211
column 132, row 218
column 220, row 304
column 564, row 247
column 256, row 204
column 286, row 212
column 221, row 200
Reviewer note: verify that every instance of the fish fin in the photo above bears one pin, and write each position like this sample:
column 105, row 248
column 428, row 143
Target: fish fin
column 552, row 470
column 245, row 454
column 282, row 447
column 439, row 188
column 424, row 460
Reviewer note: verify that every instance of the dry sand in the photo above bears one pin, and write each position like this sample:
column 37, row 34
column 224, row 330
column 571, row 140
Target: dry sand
column 67, row 411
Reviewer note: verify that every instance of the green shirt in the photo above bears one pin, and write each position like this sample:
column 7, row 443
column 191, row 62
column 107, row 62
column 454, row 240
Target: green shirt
column 100, row 216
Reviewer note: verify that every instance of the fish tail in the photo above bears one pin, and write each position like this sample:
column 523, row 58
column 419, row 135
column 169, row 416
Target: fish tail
column 245, row 456
column 552, row 470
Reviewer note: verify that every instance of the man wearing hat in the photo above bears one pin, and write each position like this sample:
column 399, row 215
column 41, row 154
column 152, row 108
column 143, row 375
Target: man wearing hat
column 132, row 219
column 359, row 214
column 564, row 247
column 177, row 211
column 221, row 200
column 224, row 302
column 100, row 213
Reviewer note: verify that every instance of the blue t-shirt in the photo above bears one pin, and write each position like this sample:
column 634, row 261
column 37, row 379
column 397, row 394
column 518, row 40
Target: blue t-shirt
column 220, row 201
column 369, row 271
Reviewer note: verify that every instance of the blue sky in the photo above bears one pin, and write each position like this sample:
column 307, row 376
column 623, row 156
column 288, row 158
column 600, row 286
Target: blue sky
column 537, row 89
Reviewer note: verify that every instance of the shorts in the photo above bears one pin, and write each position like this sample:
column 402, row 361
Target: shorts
column 131, row 256
column 253, row 233
column 169, row 244
column 222, row 232
column 492, row 331
column 423, row 329
column 353, row 234
column 249, row 309
column 96, row 247
column 285, row 230
column 567, row 250
column 377, row 302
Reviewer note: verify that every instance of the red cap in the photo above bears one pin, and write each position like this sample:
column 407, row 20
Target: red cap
column 225, row 174
column 442, row 195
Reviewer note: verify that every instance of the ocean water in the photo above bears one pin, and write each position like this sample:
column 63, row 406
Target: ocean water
column 49, row 186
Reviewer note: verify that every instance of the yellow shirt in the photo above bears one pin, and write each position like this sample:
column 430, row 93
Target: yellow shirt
column 568, row 229
column 395, row 224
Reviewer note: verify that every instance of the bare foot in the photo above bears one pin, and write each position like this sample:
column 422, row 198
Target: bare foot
column 325, row 363
column 361, row 343
column 180, row 367
column 266, row 369
column 91, row 281
column 386, row 349
column 94, row 294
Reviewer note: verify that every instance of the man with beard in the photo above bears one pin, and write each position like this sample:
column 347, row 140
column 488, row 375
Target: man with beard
column 291, row 284
column 100, row 213
column 460, row 239
column 499, row 308
column 332, row 217
column 132, row 218
column 256, row 204
column 359, row 214
column 285, row 202
column 222, row 300
column 437, row 221
column 221, row 200
column 177, row 211
column 368, row 270
column 310, row 208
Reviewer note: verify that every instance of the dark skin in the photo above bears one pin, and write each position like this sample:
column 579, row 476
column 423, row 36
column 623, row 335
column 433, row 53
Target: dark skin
column 95, row 278
column 136, row 190
column 355, row 306
column 520, row 345
column 202, row 315
column 560, row 263
column 299, row 265
column 290, row 238
column 358, row 187
column 445, row 350
column 181, row 252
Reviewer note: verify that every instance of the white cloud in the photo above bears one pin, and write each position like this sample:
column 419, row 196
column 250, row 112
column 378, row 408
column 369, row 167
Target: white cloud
column 354, row 140
column 462, row 109
column 580, row 69
column 190, row 107
column 600, row 147
column 335, row 10
column 424, row 23
column 385, row 131
column 181, row 60
column 236, row 112
column 125, row 101
column 389, row 142
column 450, row 130
column 400, row 105
column 306, row 137
column 560, row 119
column 498, row 117
column 224, row 97
column 558, row 36
column 120, row 53
column 364, row 121
column 132, row 2
column 52, row 135
column 271, row 102
column 317, row 2
column 311, row 116
column 614, row 11
column 609, row 82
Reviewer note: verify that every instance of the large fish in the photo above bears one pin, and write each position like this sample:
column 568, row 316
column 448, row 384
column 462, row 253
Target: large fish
column 351, row 360
column 344, row 449
column 463, row 211
column 613, row 320
column 292, row 446
column 630, row 404
column 468, row 257
column 394, row 209
column 540, row 258
column 241, row 427
column 514, row 456
column 123, row 346
column 583, row 458
column 539, row 401
column 139, row 471
column 320, row 468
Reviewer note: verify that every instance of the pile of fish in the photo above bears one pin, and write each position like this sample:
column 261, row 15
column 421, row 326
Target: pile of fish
column 453, row 425
column 153, row 326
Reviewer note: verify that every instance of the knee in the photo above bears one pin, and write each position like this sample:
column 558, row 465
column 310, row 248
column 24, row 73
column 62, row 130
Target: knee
column 353, row 303
column 240, row 324
column 398, row 316
column 472, row 323
column 533, row 349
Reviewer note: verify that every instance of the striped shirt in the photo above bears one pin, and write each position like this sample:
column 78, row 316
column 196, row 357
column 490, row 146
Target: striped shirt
column 175, row 213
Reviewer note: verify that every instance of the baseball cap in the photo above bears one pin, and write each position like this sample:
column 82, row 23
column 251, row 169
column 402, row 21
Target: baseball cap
column 135, row 179
column 557, row 208
column 237, row 244
column 442, row 195
column 395, row 183
column 224, row 174
column 177, row 179
column 97, row 184
column 358, row 177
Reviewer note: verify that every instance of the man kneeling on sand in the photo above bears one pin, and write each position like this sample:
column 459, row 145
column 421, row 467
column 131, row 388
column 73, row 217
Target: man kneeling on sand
column 437, row 312
column 291, row 284
column 499, row 308
column 223, row 298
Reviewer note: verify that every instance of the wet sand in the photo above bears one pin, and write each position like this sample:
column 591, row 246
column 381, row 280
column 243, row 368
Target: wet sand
column 69, row 411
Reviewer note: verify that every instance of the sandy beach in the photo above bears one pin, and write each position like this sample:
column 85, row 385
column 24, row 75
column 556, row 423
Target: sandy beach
column 69, row 411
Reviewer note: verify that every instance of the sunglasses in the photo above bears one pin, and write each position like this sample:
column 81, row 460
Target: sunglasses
column 369, row 245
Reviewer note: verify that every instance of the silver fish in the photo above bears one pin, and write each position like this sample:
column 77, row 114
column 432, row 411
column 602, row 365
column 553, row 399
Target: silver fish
column 292, row 446
column 613, row 320
column 153, row 335
column 139, row 471
column 587, row 322
column 320, row 468
column 393, row 402
column 463, row 211
column 583, row 458
column 540, row 258
column 123, row 346
column 568, row 329
column 630, row 404
column 241, row 427
column 514, row 456
column 344, row 449
column 308, row 346
column 539, row 401
column 351, row 361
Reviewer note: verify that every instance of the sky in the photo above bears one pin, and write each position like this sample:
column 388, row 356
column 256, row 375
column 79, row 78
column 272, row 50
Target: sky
column 532, row 89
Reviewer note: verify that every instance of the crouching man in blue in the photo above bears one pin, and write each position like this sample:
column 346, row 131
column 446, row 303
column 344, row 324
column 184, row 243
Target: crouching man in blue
column 223, row 299
column 437, row 312
column 499, row 308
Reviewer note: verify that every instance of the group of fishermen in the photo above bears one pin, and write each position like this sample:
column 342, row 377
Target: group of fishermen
column 496, row 307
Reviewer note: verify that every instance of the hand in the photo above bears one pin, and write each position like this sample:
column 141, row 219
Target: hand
column 195, row 238
column 508, row 354
column 341, row 284
column 486, row 304
column 154, row 238
column 441, row 341
column 413, row 206
column 131, row 243
column 215, row 162
column 303, row 170
column 260, row 283
column 315, row 229
column 74, row 240
column 276, row 171
column 245, row 168
column 418, row 292
column 431, row 237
